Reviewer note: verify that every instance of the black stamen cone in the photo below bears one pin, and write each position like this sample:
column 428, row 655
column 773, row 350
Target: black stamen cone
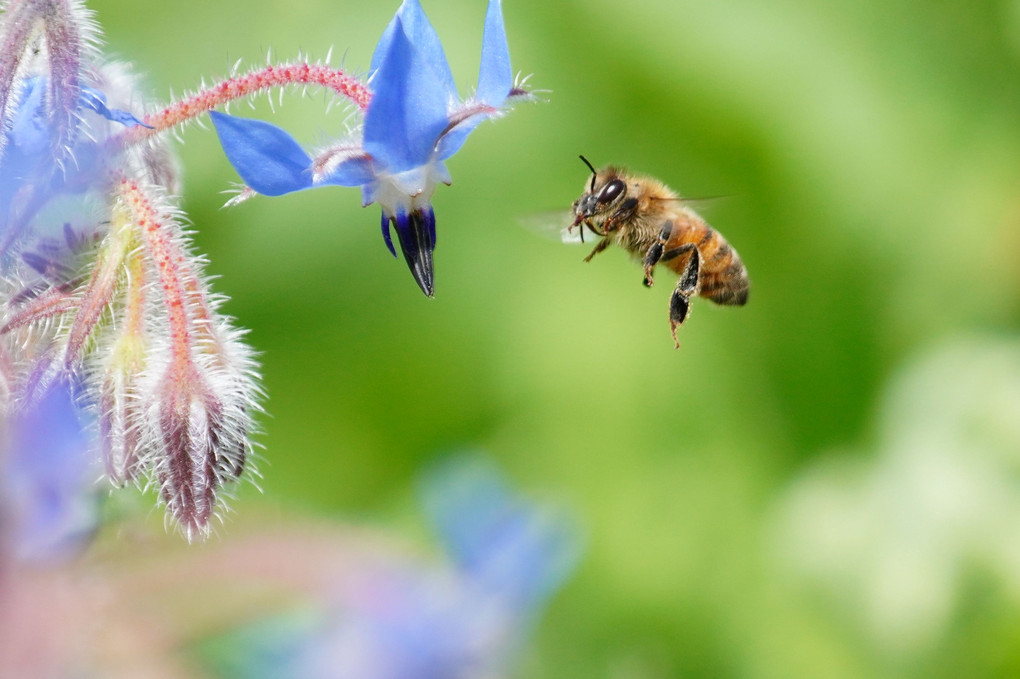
column 417, row 234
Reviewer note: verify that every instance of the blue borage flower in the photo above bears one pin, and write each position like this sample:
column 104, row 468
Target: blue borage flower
column 28, row 158
column 414, row 123
column 516, row 549
column 30, row 173
column 46, row 492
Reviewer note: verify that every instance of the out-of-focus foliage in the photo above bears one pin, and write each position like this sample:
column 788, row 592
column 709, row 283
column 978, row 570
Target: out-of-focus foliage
column 870, row 158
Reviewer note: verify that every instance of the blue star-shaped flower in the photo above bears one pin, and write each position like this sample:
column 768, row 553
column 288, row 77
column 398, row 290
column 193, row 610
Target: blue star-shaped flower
column 414, row 122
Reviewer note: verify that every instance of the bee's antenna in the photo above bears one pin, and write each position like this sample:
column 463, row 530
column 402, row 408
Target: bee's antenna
column 593, row 172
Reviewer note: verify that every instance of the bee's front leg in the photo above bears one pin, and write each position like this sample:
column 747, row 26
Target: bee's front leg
column 686, row 287
column 654, row 253
column 599, row 247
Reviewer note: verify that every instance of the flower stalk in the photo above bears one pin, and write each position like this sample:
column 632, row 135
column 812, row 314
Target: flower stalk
column 256, row 81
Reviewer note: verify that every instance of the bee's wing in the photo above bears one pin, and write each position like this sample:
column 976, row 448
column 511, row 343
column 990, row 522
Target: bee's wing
column 557, row 225
column 700, row 203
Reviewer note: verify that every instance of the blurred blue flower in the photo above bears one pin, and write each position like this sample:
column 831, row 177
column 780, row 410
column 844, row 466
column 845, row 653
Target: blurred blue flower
column 413, row 124
column 31, row 174
column 512, row 548
column 403, row 620
column 47, row 469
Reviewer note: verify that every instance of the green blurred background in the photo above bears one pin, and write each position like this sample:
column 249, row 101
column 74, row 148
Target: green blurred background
column 869, row 155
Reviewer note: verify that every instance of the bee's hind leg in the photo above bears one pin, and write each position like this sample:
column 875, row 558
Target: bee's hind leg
column 686, row 287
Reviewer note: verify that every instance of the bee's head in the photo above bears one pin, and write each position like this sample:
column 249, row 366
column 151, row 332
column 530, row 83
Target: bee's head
column 601, row 195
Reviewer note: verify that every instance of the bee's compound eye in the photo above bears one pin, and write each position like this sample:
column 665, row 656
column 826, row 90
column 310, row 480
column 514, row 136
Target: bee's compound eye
column 611, row 191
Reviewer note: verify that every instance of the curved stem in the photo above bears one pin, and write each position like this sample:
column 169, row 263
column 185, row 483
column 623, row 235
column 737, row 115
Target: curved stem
column 241, row 86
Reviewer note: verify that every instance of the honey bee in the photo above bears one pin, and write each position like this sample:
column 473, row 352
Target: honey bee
column 647, row 219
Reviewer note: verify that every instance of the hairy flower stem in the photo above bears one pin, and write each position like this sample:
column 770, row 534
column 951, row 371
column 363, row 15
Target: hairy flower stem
column 53, row 302
column 238, row 87
column 177, row 282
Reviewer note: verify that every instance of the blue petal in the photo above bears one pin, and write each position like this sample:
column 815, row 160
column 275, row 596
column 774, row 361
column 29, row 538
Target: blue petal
column 425, row 40
column 495, row 79
column 368, row 194
column 519, row 550
column 354, row 171
column 408, row 112
column 382, row 48
column 455, row 138
column 451, row 142
column 419, row 31
column 46, row 479
column 96, row 100
column 266, row 156
column 27, row 157
column 386, row 233
column 28, row 128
